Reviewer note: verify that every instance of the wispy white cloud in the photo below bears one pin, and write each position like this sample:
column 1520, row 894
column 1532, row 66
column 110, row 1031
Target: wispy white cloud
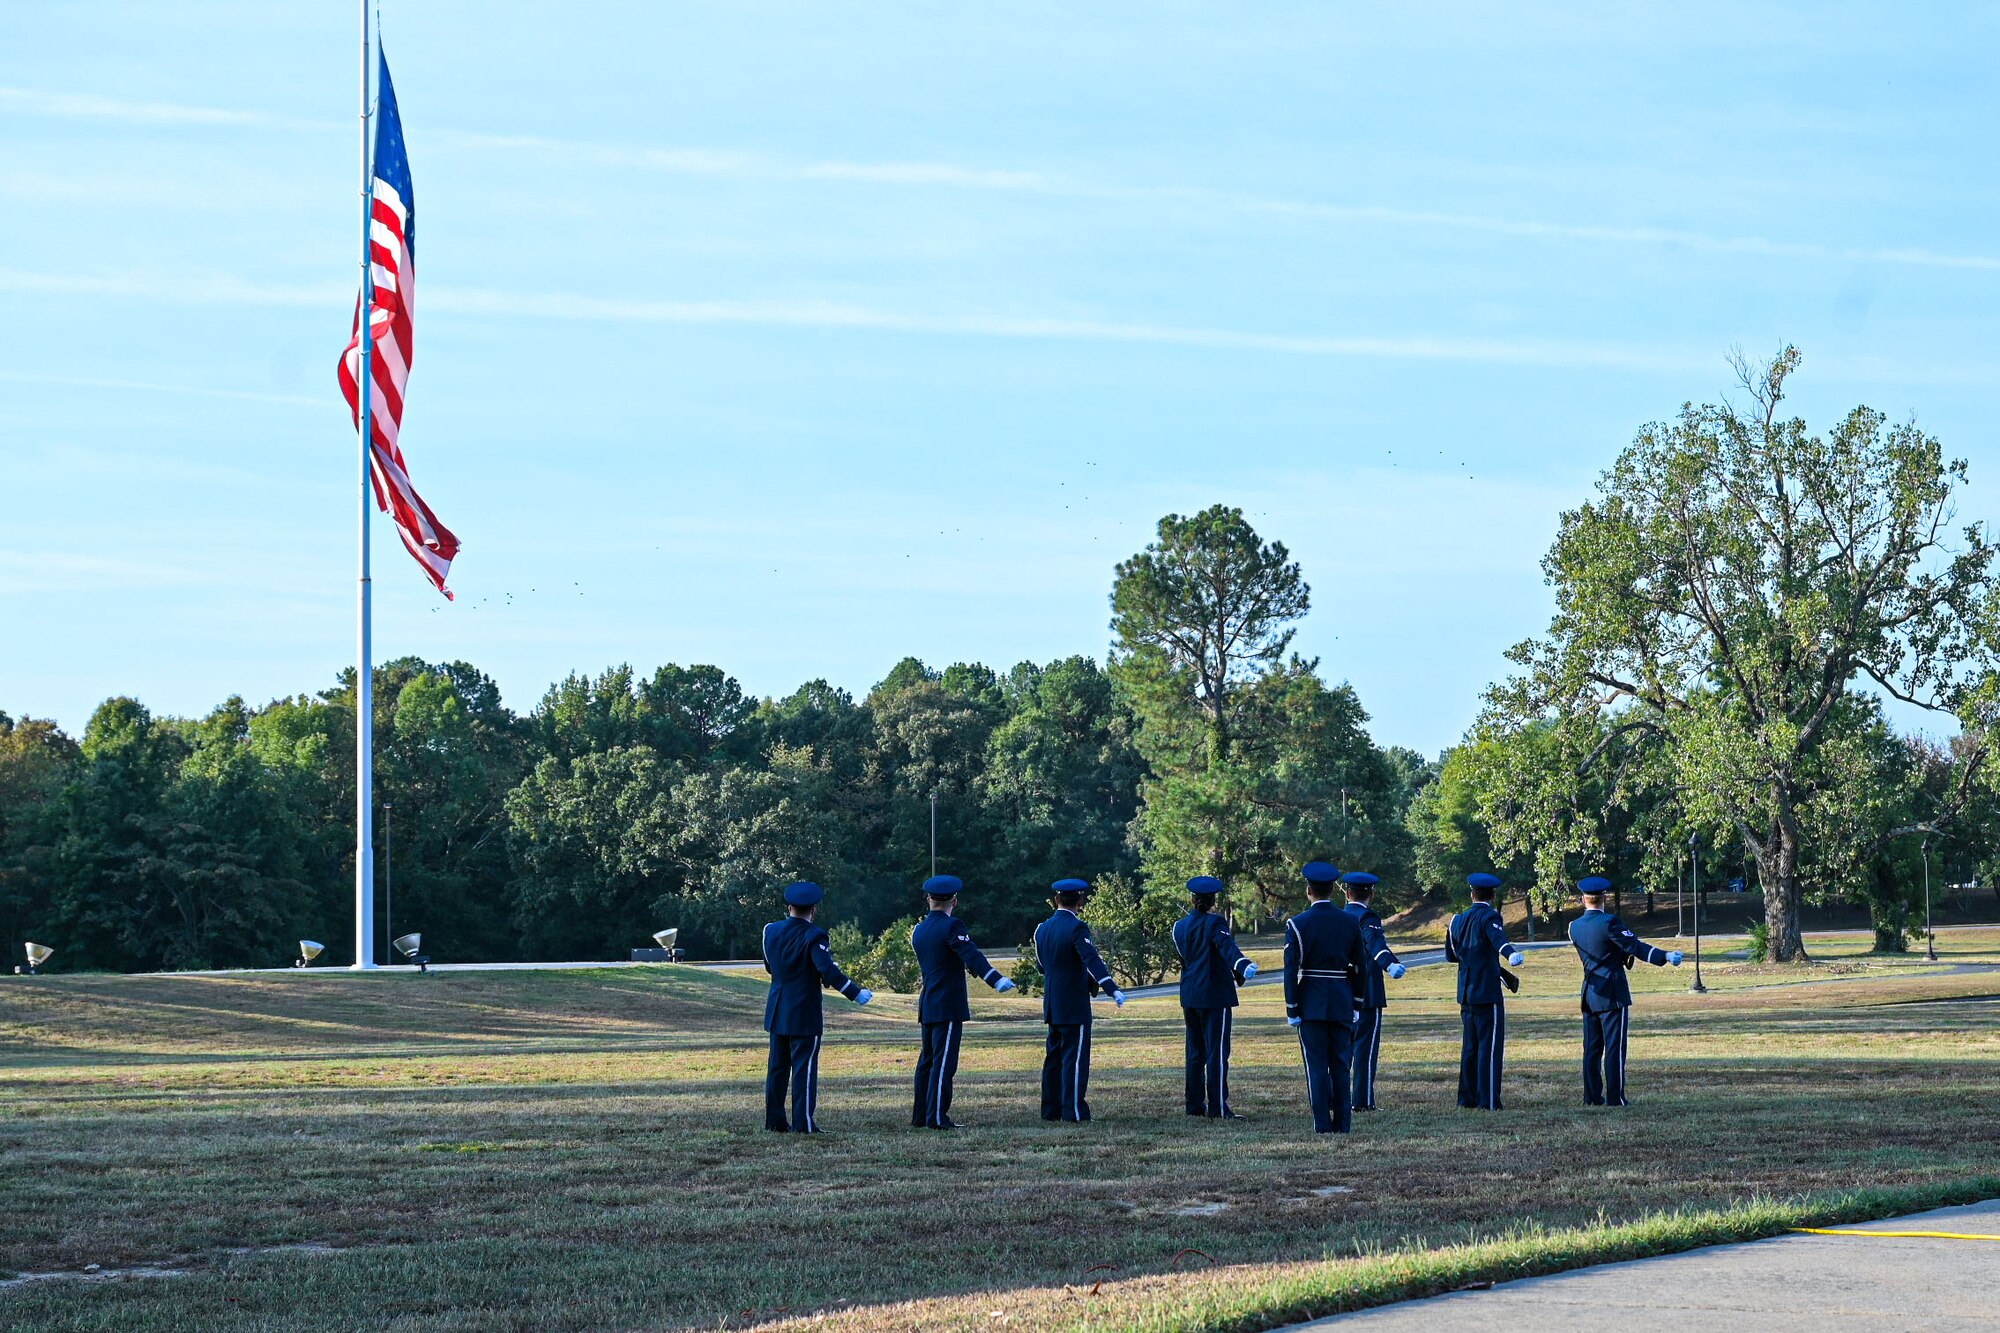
column 51, row 571
column 88, row 106
column 182, row 390
column 945, row 175
column 836, row 315
column 203, row 289
column 188, row 288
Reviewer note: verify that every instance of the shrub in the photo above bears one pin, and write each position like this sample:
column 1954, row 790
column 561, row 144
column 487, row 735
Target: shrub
column 890, row 963
column 1027, row 970
column 1134, row 928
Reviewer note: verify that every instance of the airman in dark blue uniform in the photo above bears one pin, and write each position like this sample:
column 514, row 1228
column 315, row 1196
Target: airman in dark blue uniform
column 946, row 953
column 1325, row 966
column 1071, row 970
column 1211, row 968
column 1477, row 941
column 800, row 961
column 1374, row 997
column 1607, row 947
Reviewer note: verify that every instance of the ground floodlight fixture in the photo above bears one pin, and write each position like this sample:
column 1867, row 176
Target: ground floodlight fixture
column 665, row 938
column 308, row 950
column 408, row 946
column 37, row 955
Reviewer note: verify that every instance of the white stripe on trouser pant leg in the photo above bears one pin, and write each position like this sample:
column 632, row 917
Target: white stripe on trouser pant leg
column 1375, row 1056
column 1493, row 1062
column 1305, row 1058
column 812, row 1088
column 1212, row 1069
column 1228, row 1024
column 1374, row 1053
column 1623, row 1015
column 937, row 1097
column 1076, row 1073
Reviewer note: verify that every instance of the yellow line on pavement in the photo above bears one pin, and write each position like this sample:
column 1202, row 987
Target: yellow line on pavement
column 1924, row 1235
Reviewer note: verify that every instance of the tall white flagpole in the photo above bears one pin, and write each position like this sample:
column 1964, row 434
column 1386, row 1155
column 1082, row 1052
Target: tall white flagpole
column 364, row 691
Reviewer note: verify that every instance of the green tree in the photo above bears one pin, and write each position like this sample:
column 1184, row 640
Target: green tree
column 1254, row 763
column 1134, row 927
column 1207, row 607
column 1059, row 789
column 1734, row 576
column 36, row 762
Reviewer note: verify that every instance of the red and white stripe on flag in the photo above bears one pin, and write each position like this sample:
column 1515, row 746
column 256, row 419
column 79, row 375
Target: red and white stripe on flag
column 393, row 270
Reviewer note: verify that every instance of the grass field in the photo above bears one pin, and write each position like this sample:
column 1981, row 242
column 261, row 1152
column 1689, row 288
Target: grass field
column 582, row 1150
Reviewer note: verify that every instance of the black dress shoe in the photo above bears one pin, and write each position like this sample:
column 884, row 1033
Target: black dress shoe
column 946, row 1123
column 1231, row 1115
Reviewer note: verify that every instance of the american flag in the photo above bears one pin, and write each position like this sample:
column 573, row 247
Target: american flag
column 392, row 245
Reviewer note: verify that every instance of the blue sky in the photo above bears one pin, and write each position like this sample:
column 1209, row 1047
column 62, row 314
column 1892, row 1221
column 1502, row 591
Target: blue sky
column 799, row 337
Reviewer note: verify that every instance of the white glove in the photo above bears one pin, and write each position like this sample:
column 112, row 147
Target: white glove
column 1516, row 958
column 1673, row 958
column 863, row 996
column 1295, row 1021
column 1396, row 971
column 1118, row 998
column 1004, row 985
column 1249, row 971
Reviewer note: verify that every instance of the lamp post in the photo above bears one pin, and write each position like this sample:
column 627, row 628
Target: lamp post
column 1930, row 935
column 934, row 796
column 1929, row 831
column 1680, row 899
column 1694, row 866
column 388, row 868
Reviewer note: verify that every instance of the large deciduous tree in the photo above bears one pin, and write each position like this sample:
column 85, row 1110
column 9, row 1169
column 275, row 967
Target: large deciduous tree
column 1734, row 577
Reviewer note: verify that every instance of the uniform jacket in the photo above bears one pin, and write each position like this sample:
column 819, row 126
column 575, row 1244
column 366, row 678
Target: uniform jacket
column 1071, row 969
column 1211, row 964
column 1475, row 942
column 1325, row 965
column 946, row 953
column 1606, row 945
column 800, row 961
column 1373, row 995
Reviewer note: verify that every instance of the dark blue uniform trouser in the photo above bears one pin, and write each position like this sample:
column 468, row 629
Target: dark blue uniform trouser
column 1208, row 1032
column 794, row 1060
column 937, row 1066
column 1604, row 1057
column 1367, row 1055
column 1066, row 1072
column 1328, row 1048
column 1481, row 1049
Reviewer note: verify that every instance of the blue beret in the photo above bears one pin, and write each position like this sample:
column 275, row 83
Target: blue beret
column 943, row 886
column 1071, row 886
column 1360, row 877
column 1482, row 880
column 1595, row 884
column 804, row 893
column 1319, row 872
column 1204, row 884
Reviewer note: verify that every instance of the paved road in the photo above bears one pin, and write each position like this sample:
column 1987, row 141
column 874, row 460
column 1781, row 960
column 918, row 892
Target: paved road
column 1808, row 1283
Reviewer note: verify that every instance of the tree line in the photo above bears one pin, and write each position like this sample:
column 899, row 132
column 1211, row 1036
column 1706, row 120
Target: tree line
column 1732, row 607
column 623, row 802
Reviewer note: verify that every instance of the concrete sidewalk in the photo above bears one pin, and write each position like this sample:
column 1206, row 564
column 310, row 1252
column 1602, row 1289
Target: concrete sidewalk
column 1812, row 1283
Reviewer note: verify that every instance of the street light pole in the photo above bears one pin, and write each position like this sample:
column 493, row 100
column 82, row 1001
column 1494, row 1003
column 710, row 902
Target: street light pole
column 1694, row 866
column 934, row 797
column 388, row 873
column 1680, row 899
column 1930, row 935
